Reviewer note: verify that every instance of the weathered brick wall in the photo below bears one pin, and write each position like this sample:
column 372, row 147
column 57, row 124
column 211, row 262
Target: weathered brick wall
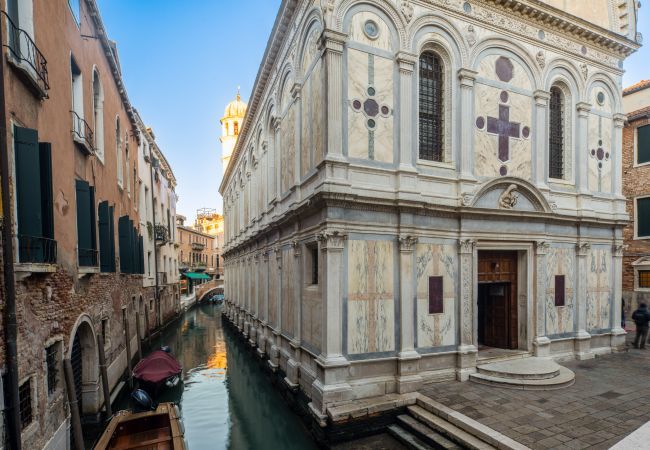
column 636, row 182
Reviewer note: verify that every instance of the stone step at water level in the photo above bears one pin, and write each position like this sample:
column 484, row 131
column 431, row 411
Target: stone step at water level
column 528, row 374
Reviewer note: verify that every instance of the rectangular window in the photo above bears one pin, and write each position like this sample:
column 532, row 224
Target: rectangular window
column 314, row 265
column 436, row 304
column 86, row 233
column 644, row 279
column 52, row 363
column 560, row 292
column 643, row 217
column 25, row 399
column 643, row 144
column 106, row 237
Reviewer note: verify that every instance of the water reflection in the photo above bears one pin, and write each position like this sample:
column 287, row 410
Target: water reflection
column 226, row 400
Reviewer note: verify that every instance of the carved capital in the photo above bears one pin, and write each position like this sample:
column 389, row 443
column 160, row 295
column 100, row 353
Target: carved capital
column 265, row 256
column 332, row 41
column 466, row 199
column 541, row 247
column 296, row 89
column 583, row 109
column 296, row 248
column 406, row 62
column 407, row 243
column 618, row 249
column 541, row 97
column 619, row 120
column 583, row 248
column 331, row 240
column 466, row 246
column 467, row 77
column 265, row 146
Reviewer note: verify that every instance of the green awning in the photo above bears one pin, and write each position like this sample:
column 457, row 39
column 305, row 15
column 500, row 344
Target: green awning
column 196, row 276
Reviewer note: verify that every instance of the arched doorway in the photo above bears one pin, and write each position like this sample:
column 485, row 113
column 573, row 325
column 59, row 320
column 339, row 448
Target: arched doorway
column 85, row 366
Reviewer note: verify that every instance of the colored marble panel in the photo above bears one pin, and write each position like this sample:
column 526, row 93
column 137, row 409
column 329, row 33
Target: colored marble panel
column 289, row 279
column 560, row 261
column 288, row 149
column 488, row 67
column 599, row 289
column 599, row 157
column 317, row 122
column 383, row 39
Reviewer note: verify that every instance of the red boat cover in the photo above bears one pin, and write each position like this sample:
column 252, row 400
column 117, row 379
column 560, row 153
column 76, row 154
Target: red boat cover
column 157, row 367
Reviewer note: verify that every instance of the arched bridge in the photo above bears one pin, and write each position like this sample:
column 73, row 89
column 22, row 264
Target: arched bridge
column 207, row 289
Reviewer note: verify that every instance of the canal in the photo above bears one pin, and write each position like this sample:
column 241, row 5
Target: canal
column 226, row 400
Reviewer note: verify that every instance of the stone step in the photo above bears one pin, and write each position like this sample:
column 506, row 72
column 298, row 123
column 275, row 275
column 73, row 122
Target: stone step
column 503, row 357
column 448, row 429
column 565, row 378
column 426, row 434
column 529, row 369
column 407, row 438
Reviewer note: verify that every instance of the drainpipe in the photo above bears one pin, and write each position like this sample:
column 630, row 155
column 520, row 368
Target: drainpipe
column 155, row 247
column 10, row 325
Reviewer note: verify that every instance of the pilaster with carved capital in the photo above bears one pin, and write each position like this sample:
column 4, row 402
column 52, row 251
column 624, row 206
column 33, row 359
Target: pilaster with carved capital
column 616, row 155
column 467, row 77
column 582, row 139
column 539, row 137
column 582, row 347
column 333, row 43
column 541, row 341
column 467, row 349
column 408, row 379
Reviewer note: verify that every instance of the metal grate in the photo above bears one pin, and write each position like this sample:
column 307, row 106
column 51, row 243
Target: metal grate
column 431, row 107
column 25, row 398
column 52, row 361
column 556, row 135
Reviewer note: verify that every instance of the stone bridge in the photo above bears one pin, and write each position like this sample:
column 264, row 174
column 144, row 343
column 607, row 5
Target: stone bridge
column 206, row 289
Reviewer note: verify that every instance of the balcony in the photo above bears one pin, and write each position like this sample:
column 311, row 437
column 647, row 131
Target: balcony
column 161, row 234
column 162, row 278
column 88, row 257
column 82, row 134
column 36, row 250
column 198, row 246
column 27, row 58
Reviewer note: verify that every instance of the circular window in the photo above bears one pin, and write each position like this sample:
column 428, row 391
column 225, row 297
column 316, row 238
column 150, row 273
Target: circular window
column 600, row 98
column 371, row 29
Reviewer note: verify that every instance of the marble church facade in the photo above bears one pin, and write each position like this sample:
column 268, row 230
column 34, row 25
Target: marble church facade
column 375, row 242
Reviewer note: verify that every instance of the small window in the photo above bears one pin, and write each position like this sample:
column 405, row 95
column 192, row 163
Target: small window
column 644, row 279
column 105, row 331
column 556, row 134
column 431, row 109
column 236, row 128
column 436, row 303
column 560, row 291
column 52, row 362
column 25, row 399
column 313, row 253
column 643, row 144
column 643, row 217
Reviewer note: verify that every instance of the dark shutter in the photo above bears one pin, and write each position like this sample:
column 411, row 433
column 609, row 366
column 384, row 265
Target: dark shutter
column 436, row 304
column 141, row 254
column 104, row 237
column 643, row 216
column 47, row 197
column 111, row 223
column 643, row 144
column 559, row 290
column 133, row 248
column 84, row 221
column 431, row 107
column 124, row 232
column 556, row 134
column 28, row 195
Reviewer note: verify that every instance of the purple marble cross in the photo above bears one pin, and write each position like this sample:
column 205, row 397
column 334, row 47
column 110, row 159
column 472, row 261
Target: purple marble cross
column 505, row 129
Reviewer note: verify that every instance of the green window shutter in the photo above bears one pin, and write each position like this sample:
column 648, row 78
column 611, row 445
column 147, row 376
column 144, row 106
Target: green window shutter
column 47, row 197
column 643, row 217
column 643, row 145
column 132, row 248
column 84, row 219
column 141, row 254
column 104, row 237
column 124, row 233
column 28, row 195
column 111, row 224
column 93, row 224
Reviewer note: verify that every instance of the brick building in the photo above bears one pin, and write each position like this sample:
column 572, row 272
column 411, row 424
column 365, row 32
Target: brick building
column 636, row 188
column 71, row 143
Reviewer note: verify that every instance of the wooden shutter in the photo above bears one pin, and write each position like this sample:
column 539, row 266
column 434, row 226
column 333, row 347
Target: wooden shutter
column 104, row 237
column 643, row 217
column 141, row 254
column 559, row 290
column 84, row 221
column 436, row 303
column 133, row 248
column 111, row 218
column 28, row 195
column 47, row 197
column 124, row 232
column 643, row 145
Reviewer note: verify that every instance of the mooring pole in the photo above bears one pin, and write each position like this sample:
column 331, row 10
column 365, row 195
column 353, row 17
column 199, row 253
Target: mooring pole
column 137, row 332
column 146, row 325
column 104, row 372
column 128, row 348
column 74, row 405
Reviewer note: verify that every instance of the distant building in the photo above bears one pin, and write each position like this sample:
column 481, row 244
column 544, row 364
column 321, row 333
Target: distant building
column 231, row 124
column 210, row 222
column 636, row 189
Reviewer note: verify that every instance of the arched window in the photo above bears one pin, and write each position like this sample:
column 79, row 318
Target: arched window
column 98, row 116
column 431, row 111
column 118, row 150
column 556, row 134
column 236, row 128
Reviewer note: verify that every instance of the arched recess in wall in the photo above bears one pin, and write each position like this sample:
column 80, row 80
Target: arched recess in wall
column 498, row 46
column 82, row 352
column 384, row 8
column 98, row 114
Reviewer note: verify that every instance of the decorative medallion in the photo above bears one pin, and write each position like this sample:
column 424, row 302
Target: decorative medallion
column 600, row 154
column 541, row 59
column 600, row 98
column 471, row 35
column 509, row 198
column 467, row 7
column 407, row 10
column 371, row 29
column 541, row 35
column 585, row 71
column 504, row 69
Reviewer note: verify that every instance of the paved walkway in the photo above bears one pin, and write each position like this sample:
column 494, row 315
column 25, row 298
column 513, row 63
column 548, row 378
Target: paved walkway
column 610, row 399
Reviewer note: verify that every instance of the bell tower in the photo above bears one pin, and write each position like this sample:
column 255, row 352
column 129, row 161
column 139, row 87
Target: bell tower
column 231, row 124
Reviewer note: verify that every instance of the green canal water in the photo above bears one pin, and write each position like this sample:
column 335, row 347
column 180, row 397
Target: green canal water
column 226, row 400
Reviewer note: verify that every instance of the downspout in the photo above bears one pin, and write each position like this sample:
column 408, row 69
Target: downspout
column 155, row 247
column 10, row 325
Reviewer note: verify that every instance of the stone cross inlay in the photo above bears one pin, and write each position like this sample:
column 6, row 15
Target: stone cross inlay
column 600, row 154
column 505, row 130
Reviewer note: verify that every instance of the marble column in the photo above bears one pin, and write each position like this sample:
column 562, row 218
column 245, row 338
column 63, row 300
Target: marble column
column 333, row 42
column 467, row 350
column 466, row 141
column 408, row 379
column 582, row 132
column 541, row 138
column 618, row 333
column 293, row 363
column 541, row 343
column 582, row 347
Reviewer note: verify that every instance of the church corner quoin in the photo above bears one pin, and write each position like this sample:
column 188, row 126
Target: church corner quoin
column 86, row 180
column 399, row 163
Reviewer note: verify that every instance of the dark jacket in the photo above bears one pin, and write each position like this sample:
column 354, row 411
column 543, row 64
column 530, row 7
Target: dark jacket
column 641, row 317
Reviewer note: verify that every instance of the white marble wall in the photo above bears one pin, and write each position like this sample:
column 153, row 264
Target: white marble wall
column 560, row 261
column 599, row 288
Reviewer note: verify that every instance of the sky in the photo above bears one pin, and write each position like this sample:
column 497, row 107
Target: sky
column 182, row 62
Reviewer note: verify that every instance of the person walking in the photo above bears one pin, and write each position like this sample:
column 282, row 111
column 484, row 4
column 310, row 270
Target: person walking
column 641, row 318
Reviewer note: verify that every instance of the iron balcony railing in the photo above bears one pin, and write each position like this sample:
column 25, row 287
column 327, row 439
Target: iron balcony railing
column 161, row 234
column 82, row 133
column 24, row 50
column 198, row 246
column 34, row 249
column 88, row 257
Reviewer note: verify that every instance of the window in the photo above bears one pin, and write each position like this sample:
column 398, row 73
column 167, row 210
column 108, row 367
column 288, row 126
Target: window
column 34, row 199
column 431, row 110
column 105, row 331
column 131, row 247
column 436, row 303
column 128, row 167
column 118, row 150
column 560, row 292
column 52, row 363
column 78, row 124
column 643, row 217
column 312, row 264
column 643, row 144
column 556, row 134
column 236, row 128
column 86, row 239
column 98, row 116
column 644, row 279
column 25, row 399
column 106, row 215
column 75, row 7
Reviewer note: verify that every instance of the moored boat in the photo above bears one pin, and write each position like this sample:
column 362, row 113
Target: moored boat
column 160, row 429
column 157, row 370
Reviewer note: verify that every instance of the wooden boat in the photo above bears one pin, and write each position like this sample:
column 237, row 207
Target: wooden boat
column 161, row 429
